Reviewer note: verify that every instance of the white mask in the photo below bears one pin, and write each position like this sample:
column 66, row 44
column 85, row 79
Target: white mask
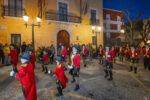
column 23, row 61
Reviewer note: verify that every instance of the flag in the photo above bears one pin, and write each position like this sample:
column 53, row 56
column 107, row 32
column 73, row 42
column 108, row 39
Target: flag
column 86, row 9
column 41, row 7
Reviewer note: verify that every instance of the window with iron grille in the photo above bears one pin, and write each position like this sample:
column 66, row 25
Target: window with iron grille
column 14, row 8
column 63, row 12
column 94, row 40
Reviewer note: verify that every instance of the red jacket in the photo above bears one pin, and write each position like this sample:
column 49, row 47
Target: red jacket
column 61, row 75
column 121, row 51
column 102, row 52
column 64, row 53
column 27, row 80
column 85, row 52
column 14, row 56
column 145, row 53
column 45, row 58
column 110, row 56
column 134, row 54
column 75, row 61
column 32, row 60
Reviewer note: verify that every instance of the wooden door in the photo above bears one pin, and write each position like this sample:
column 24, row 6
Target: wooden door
column 16, row 39
column 63, row 37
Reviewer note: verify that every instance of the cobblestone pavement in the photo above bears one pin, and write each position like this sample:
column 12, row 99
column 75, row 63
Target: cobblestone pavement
column 93, row 85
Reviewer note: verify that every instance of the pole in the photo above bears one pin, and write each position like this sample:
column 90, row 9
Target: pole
column 33, row 37
column 96, row 41
column 81, row 9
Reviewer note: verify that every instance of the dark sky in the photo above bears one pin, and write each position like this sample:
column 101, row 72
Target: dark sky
column 134, row 6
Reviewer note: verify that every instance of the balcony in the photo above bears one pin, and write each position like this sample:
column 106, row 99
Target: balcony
column 12, row 12
column 94, row 21
column 62, row 17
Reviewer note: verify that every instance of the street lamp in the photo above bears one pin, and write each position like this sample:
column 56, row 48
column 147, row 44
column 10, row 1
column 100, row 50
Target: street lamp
column 96, row 30
column 122, row 31
column 26, row 18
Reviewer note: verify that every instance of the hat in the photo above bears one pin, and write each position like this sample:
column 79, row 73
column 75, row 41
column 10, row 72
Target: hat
column 25, row 56
column 58, row 58
column 76, row 46
column 107, row 45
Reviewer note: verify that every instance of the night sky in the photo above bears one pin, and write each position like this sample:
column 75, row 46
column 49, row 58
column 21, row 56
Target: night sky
column 134, row 6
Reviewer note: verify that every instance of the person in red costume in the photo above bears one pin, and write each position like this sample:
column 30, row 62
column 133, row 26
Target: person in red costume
column 26, row 76
column 146, row 56
column 61, row 77
column 114, row 50
column 134, row 56
column 74, row 64
column 101, row 53
column 108, row 62
column 84, row 54
column 121, row 53
column 45, row 62
column 64, row 54
column 14, row 57
column 32, row 58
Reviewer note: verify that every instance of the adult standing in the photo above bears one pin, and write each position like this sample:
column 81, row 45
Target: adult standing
column 1, row 54
column 6, row 51
column 23, row 47
column 52, row 48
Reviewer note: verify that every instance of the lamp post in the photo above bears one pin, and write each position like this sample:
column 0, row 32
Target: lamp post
column 26, row 18
column 96, row 30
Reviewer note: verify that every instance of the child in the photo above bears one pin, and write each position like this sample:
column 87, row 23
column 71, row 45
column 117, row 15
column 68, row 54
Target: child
column 32, row 58
column 45, row 61
column 26, row 77
column 14, row 57
column 61, row 77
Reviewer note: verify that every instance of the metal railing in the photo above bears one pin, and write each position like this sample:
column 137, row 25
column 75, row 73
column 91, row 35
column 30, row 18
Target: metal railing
column 62, row 17
column 94, row 22
column 13, row 12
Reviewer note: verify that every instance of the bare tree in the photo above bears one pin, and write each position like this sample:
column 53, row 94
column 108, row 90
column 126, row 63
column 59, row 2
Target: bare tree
column 130, row 26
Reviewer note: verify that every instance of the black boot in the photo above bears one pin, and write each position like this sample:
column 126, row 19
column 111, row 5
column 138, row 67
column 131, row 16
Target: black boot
column 43, row 68
column 130, row 69
column 59, row 92
column 46, row 71
column 84, row 65
column 135, row 70
column 106, row 73
column 73, row 80
column 77, row 87
column 110, row 78
column 15, row 70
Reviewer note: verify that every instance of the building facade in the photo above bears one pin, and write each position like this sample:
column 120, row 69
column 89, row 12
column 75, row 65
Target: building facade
column 113, row 26
column 63, row 21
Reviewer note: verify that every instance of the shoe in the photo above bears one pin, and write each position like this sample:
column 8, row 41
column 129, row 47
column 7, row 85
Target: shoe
column 73, row 80
column 43, row 68
column 135, row 70
column 84, row 65
column 77, row 87
column 130, row 69
column 59, row 92
column 46, row 70
column 110, row 78
column 106, row 74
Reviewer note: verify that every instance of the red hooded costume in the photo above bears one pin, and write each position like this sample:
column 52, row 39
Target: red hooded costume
column 61, row 75
column 45, row 58
column 75, row 61
column 134, row 54
column 14, row 56
column 111, row 54
column 145, row 52
column 27, row 80
column 32, row 60
column 64, row 52
column 85, row 51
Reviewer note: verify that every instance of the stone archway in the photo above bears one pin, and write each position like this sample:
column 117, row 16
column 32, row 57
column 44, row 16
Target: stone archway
column 63, row 37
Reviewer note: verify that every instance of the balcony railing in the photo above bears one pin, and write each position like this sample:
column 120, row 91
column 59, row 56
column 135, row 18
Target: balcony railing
column 62, row 17
column 94, row 21
column 13, row 12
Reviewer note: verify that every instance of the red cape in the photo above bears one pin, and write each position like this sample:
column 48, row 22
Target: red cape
column 32, row 60
column 61, row 75
column 27, row 80
column 14, row 56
